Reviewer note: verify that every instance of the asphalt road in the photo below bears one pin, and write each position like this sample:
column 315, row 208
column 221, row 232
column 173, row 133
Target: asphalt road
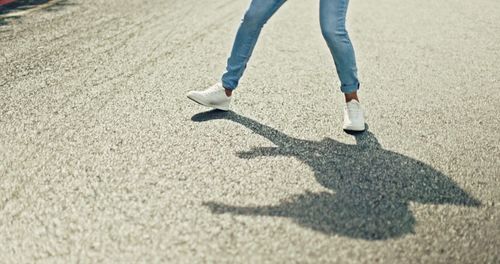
column 104, row 159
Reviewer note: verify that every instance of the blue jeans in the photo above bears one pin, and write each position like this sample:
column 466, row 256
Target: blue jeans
column 332, row 21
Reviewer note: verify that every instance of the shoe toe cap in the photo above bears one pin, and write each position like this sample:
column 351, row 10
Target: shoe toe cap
column 193, row 94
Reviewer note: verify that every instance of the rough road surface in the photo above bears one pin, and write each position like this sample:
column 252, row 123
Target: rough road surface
column 104, row 159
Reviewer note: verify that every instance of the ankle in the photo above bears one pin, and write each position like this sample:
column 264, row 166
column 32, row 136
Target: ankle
column 228, row 92
column 351, row 96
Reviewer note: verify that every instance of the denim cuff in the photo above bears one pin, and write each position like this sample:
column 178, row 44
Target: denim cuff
column 228, row 84
column 347, row 89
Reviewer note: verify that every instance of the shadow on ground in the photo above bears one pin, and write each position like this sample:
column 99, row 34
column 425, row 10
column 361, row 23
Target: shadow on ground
column 371, row 187
column 9, row 12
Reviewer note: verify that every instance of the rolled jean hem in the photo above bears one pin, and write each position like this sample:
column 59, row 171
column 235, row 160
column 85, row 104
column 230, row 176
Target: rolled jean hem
column 347, row 89
column 227, row 86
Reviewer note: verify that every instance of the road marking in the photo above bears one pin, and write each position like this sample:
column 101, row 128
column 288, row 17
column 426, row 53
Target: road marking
column 25, row 12
column 4, row 2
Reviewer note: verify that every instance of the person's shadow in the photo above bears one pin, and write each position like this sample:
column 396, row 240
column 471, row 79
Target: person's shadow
column 371, row 187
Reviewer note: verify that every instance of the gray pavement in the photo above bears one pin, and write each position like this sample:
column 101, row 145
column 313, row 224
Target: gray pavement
column 104, row 159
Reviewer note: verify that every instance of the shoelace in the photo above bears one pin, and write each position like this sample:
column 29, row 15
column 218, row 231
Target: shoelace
column 213, row 88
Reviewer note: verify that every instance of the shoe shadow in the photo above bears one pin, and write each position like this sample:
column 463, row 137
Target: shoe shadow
column 372, row 187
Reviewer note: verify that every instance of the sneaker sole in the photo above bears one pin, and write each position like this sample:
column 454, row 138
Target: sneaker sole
column 223, row 108
column 355, row 129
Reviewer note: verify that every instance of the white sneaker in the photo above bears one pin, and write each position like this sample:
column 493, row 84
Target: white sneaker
column 354, row 117
column 214, row 96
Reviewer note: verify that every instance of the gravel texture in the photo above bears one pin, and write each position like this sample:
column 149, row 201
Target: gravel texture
column 104, row 159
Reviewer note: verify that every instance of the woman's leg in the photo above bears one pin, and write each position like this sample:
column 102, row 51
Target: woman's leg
column 332, row 20
column 254, row 19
